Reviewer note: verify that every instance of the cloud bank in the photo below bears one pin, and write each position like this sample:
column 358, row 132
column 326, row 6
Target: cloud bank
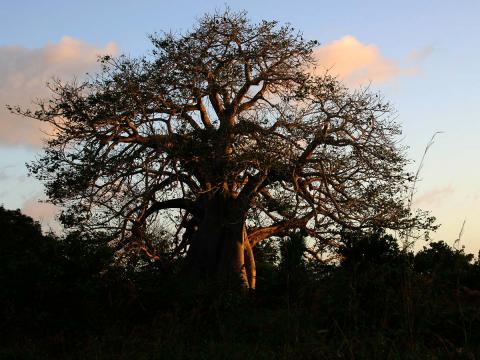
column 23, row 76
column 357, row 63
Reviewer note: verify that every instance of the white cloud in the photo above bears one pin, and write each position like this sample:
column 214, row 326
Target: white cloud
column 420, row 54
column 23, row 76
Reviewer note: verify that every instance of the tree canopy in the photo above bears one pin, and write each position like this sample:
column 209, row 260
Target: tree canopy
column 220, row 138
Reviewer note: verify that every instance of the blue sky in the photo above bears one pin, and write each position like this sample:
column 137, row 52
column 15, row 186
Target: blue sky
column 428, row 50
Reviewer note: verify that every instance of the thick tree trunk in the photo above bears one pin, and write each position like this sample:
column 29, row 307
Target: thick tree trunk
column 219, row 249
column 250, row 263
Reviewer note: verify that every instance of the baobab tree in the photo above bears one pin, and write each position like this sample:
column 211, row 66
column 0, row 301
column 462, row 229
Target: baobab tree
column 220, row 138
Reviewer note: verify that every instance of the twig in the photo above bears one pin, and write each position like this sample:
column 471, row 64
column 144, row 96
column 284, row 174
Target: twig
column 456, row 244
column 407, row 235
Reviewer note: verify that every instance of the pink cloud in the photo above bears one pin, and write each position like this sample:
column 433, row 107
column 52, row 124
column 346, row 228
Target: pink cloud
column 357, row 63
column 23, row 76
column 44, row 213
column 434, row 196
column 40, row 211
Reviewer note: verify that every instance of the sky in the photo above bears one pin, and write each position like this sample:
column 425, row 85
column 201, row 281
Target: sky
column 421, row 55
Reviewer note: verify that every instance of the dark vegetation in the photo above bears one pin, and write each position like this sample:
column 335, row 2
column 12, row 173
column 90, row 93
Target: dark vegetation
column 67, row 298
